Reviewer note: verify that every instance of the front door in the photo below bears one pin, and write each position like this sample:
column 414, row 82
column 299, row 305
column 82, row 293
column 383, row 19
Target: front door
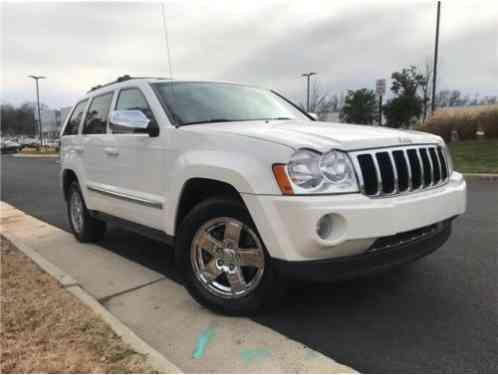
column 138, row 161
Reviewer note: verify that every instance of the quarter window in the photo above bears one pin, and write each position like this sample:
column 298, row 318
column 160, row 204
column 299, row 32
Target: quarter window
column 96, row 117
column 74, row 121
column 131, row 99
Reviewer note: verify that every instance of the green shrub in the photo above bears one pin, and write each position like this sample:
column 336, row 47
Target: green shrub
column 466, row 121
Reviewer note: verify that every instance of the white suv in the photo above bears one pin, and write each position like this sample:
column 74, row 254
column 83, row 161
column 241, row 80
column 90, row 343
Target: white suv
column 251, row 190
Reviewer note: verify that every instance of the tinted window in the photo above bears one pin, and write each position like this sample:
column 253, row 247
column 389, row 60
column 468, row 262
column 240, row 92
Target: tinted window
column 131, row 99
column 201, row 102
column 74, row 122
column 96, row 117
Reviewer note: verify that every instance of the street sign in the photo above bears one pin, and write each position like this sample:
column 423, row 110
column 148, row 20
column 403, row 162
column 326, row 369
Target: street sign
column 380, row 87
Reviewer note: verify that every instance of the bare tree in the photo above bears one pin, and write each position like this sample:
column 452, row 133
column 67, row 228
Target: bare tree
column 322, row 101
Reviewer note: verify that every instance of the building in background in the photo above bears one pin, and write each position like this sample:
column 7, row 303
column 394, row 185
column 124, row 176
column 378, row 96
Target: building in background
column 64, row 113
column 51, row 123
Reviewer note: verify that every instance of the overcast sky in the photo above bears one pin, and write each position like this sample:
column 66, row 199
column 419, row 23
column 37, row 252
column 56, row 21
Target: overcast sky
column 268, row 43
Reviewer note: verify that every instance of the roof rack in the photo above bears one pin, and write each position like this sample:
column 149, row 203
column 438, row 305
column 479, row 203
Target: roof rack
column 123, row 78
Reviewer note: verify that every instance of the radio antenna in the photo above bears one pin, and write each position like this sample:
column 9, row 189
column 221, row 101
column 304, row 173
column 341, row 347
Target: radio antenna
column 166, row 40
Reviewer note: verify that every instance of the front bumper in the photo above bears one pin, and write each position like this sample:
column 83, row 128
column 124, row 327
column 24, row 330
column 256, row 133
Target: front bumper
column 287, row 224
column 373, row 261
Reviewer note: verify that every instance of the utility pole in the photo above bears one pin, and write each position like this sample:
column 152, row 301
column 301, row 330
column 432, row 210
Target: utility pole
column 436, row 47
column 308, row 75
column 36, row 78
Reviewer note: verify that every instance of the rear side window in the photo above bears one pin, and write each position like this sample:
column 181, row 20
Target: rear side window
column 96, row 116
column 131, row 99
column 74, row 121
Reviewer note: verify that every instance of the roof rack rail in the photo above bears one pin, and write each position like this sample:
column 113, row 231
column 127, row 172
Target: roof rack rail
column 122, row 78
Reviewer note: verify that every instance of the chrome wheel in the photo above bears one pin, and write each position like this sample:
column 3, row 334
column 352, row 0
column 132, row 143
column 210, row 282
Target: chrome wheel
column 227, row 257
column 77, row 211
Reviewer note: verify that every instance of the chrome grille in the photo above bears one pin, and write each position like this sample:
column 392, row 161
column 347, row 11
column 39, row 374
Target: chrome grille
column 400, row 170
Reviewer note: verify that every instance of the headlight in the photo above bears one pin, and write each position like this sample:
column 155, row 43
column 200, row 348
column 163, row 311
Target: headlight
column 304, row 170
column 336, row 167
column 310, row 172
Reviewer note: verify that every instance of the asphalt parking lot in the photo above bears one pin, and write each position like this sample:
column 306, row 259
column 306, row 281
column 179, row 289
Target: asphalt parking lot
column 437, row 315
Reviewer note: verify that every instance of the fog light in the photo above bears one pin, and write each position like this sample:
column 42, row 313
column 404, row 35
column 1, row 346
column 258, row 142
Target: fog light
column 324, row 226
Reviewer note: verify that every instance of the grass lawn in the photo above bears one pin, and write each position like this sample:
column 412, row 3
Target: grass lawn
column 475, row 156
column 45, row 329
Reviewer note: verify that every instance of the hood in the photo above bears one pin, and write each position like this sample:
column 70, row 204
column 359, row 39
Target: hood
column 320, row 136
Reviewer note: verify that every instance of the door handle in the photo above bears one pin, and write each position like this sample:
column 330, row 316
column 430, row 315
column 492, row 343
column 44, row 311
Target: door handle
column 111, row 151
column 78, row 149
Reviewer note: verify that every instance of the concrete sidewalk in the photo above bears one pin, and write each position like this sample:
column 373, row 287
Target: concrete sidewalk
column 162, row 313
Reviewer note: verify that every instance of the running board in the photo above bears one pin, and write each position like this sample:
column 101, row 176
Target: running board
column 143, row 230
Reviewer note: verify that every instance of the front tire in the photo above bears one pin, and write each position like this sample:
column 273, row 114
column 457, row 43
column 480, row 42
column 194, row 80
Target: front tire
column 84, row 227
column 223, row 259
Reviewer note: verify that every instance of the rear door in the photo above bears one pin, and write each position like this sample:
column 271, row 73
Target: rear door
column 97, row 142
column 71, row 145
column 70, row 141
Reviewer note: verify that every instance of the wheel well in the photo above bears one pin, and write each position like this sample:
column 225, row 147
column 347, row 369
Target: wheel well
column 68, row 176
column 197, row 190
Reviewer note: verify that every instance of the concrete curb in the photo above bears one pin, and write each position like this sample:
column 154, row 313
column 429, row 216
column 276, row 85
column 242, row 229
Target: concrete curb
column 490, row 177
column 154, row 359
column 35, row 156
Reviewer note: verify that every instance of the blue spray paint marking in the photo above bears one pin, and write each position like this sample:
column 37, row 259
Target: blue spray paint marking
column 251, row 355
column 202, row 342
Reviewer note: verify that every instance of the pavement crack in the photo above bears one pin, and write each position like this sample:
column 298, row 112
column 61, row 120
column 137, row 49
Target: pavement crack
column 106, row 299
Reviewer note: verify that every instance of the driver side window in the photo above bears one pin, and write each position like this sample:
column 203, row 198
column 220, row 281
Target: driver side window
column 131, row 99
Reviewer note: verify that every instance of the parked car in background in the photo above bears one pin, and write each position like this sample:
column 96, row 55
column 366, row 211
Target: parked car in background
column 9, row 147
column 30, row 142
column 250, row 190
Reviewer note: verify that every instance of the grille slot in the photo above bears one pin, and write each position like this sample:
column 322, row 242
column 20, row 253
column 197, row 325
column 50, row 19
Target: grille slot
column 367, row 167
column 427, row 166
column 442, row 160
column 401, row 164
column 415, row 167
column 435, row 163
column 401, row 170
column 386, row 172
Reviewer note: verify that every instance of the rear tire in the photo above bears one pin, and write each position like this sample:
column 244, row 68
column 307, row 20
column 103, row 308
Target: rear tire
column 84, row 227
column 234, row 275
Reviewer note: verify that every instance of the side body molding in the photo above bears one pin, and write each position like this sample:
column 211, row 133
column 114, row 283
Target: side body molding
column 125, row 196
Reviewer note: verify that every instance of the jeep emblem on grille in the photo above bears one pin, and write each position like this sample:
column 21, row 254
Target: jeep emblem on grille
column 404, row 140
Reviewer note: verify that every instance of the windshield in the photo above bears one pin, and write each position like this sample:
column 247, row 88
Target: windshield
column 191, row 103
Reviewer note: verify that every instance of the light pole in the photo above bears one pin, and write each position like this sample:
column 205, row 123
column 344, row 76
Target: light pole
column 36, row 78
column 436, row 49
column 308, row 75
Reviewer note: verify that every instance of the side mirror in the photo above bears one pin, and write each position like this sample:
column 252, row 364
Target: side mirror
column 134, row 120
column 314, row 115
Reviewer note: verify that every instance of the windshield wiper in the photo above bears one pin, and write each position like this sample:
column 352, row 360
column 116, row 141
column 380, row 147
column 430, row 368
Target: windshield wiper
column 208, row 121
column 233, row 120
column 277, row 118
